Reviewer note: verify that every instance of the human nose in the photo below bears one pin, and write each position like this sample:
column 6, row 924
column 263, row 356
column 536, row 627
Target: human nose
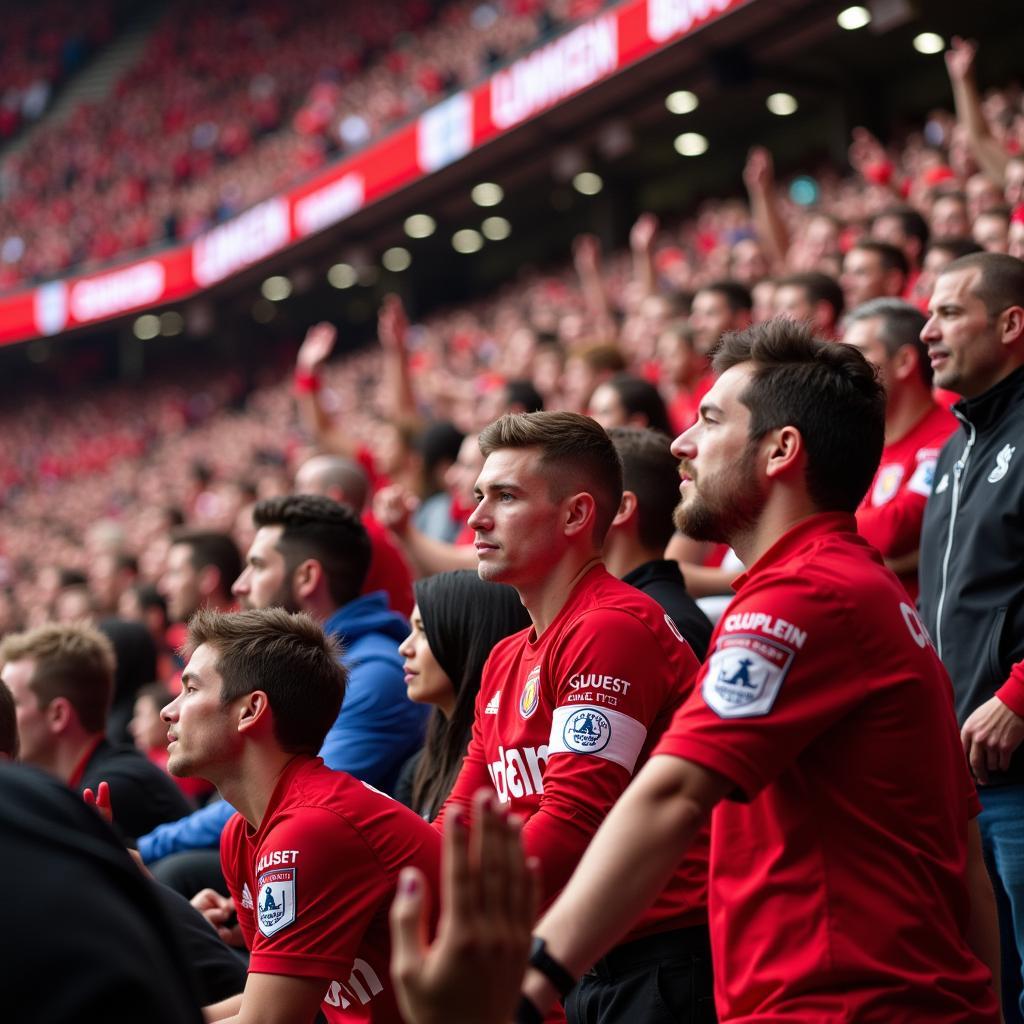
column 405, row 647
column 683, row 447
column 241, row 585
column 169, row 712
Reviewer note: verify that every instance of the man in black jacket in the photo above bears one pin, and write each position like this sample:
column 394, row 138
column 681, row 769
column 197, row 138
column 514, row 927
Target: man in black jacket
column 972, row 558
column 635, row 545
column 62, row 680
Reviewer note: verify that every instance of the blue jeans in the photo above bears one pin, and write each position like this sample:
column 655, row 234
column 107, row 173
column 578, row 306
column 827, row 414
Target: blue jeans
column 1002, row 837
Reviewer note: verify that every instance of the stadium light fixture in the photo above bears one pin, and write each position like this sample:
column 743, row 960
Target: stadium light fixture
column 587, row 183
column 396, row 259
column 691, row 144
column 929, row 43
column 782, row 104
column 853, row 18
column 342, row 275
column 682, row 101
column 487, row 194
column 171, row 324
column 420, row 225
column 467, row 241
column 146, row 327
column 276, row 288
column 497, row 229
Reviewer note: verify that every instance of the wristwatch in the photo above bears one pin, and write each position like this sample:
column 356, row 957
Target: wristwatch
column 541, row 960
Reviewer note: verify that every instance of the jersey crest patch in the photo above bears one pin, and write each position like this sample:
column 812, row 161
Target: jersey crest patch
column 275, row 900
column 587, row 731
column 745, row 675
column 529, row 700
column 888, row 483
column 924, row 475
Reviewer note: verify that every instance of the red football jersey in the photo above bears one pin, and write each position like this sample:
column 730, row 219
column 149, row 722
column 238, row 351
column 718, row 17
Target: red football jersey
column 838, row 872
column 563, row 721
column 313, row 885
column 891, row 513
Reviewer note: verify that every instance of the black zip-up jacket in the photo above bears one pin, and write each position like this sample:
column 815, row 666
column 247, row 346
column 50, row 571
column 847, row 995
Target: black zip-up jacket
column 972, row 550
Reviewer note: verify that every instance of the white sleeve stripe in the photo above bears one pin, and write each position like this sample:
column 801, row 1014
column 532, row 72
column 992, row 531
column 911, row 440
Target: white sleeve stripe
column 598, row 732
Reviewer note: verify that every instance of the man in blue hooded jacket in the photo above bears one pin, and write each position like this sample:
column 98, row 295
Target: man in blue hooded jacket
column 311, row 554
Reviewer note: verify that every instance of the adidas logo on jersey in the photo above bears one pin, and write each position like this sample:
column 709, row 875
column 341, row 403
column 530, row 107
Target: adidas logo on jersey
column 246, row 897
column 492, row 704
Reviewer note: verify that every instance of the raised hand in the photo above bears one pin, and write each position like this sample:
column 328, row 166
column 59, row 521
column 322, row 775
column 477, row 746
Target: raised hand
column 641, row 237
column 960, row 59
column 316, row 347
column 101, row 801
column 392, row 323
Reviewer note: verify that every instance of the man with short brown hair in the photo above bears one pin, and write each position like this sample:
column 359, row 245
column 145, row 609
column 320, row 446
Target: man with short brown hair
column 62, row 682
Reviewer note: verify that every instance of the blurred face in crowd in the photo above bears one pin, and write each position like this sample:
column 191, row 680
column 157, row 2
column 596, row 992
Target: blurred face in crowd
column 949, row 218
column 710, row 318
column 793, row 302
column 180, row 584
column 147, row 730
column 678, row 360
column 964, row 342
column 721, row 492
column 606, row 407
column 763, row 294
column 1013, row 188
column 821, row 239
column 982, row 194
column 265, row 581
column 992, row 232
column 518, row 524
column 35, row 737
column 865, row 278
column 461, row 475
column 425, row 681
column 747, row 263
column 864, row 336
column 1015, row 242
column 201, row 731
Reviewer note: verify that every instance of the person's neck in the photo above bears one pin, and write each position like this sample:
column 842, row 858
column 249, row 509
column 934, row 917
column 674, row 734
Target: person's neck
column 905, row 408
column 69, row 753
column 546, row 598
column 320, row 608
column 777, row 519
column 249, row 783
column 624, row 554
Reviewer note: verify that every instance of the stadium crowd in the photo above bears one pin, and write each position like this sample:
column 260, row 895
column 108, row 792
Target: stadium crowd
column 484, row 570
column 230, row 105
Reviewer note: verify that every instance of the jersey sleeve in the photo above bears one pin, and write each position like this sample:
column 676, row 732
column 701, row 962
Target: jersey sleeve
column 774, row 681
column 316, row 886
column 616, row 686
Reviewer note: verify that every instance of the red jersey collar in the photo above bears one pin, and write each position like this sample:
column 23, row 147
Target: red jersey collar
column 298, row 762
column 795, row 538
column 83, row 762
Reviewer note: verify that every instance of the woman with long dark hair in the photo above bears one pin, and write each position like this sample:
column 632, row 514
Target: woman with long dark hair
column 456, row 622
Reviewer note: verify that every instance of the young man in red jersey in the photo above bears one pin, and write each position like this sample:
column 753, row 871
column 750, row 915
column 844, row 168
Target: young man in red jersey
column 887, row 333
column 847, row 881
column 570, row 708
column 313, row 856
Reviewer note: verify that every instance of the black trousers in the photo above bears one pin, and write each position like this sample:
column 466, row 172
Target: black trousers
column 659, row 979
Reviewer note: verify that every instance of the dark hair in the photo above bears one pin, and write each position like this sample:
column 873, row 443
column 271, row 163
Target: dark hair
column 890, row 256
column 912, row 223
column 8, row 723
column 573, row 448
column 955, row 246
column 207, row 548
column 737, row 296
column 899, row 323
column 438, row 443
column 319, row 528
column 73, row 662
column 641, row 397
column 829, row 392
column 818, row 287
column 1000, row 283
column 651, row 472
column 463, row 619
column 289, row 657
column 524, row 394
column 603, row 358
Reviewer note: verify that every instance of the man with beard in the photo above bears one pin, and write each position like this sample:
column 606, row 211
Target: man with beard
column 847, row 880
column 311, row 554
